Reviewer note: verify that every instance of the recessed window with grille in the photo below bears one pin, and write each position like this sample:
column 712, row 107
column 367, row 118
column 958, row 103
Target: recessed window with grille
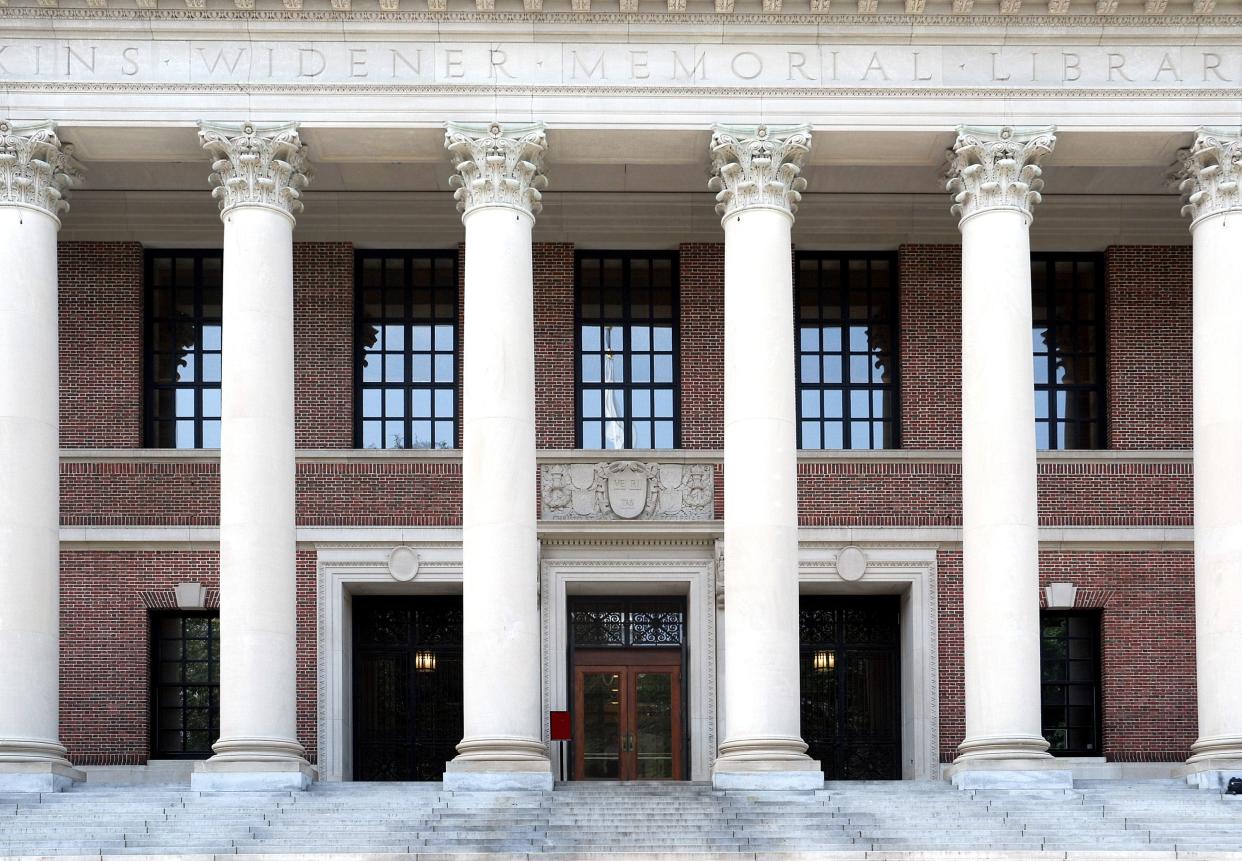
column 185, row 688
column 1069, row 650
column 182, row 357
column 1068, row 342
column 627, row 350
column 405, row 365
column 847, row 350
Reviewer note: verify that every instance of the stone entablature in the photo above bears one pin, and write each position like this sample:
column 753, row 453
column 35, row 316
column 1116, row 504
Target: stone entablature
column 627, row 490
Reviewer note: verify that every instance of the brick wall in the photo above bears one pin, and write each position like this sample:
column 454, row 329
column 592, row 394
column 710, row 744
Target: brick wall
column 1147, row 631
column 105, row 642
column 1149, row 347
column 555, row 407
column 931, row 346
column 100, row 344
column 323, row 341
column 702, row 345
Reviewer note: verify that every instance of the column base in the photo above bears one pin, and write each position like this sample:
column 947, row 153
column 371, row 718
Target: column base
column 1008, row 762
column 498, row 764
column 38, row 776
column 1213, row 762
column 213, row 775
column 766, row 764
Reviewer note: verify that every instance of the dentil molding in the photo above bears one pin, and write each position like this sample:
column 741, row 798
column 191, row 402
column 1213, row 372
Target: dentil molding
column 257, row 165
column 990, row 170
column 36, row 169
column 758, row 167
column 497, row 165
column 1209, row 172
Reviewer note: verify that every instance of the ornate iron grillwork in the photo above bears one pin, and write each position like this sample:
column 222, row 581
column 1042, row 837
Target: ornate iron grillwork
column 407, row 686
column 621, row 623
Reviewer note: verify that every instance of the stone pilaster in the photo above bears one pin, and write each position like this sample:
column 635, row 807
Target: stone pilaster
column 498, row 180
column 36, row 170
column 994, row 176
column 1209, row 172
column 756, row 177
column 258, row 174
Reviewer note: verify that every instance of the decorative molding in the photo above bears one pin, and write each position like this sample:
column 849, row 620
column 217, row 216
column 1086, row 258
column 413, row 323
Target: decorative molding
column 257, row 165
column 1208, row 173
column 676, row 7
column 1156, row 7
column 497, row 166
column 167, row 599
column 772, row 5
column 724, row 7
column 1010, row 7
column 758, row 167
column 990, row 170
column 963, row 7
column 1058, row 7
column 36, row 169
column 915, row 7
column 580, row 5
column 868, row 7
column 1106, row 7
column 821, row 7
column 627, row 490
column 1204, row 7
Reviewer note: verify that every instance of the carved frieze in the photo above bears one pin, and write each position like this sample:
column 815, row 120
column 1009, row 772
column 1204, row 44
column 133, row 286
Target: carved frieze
column 758, row 167
column 1208, row 173
column 628, row 490
column 997, row 169
column 497, row 165
column 36, row 169
column 256, row 165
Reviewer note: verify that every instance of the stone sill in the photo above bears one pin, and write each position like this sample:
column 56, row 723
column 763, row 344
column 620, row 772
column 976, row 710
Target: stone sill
column 912, row 456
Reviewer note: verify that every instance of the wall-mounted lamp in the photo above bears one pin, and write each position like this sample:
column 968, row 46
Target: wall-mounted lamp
column 824, row 661
column 425, row 662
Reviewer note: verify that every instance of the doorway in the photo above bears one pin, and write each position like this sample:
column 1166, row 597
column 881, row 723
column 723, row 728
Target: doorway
column 850, row 666
column 627, row 680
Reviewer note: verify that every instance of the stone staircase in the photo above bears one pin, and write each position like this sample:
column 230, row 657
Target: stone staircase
column 1149, row 820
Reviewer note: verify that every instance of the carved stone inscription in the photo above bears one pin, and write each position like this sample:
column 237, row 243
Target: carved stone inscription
column 628, row 490
column 809, row 66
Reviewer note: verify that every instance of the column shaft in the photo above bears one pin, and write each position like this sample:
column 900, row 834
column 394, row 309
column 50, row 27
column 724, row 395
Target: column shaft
column 31, row 756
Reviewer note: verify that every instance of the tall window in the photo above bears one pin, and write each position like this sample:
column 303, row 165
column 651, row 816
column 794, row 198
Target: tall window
column 627, row 350
column 183, row 349
column 185, row 674
column 847, row 348
column 1068, row 341
column 405, row 365
column 1069, row 650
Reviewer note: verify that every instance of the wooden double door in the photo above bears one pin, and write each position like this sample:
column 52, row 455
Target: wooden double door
column 628, row 715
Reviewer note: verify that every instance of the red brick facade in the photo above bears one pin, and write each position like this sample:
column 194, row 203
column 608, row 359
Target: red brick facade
column 1148, row 668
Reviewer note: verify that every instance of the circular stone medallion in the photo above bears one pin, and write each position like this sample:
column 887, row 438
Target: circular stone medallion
column 403, row 564
column 851, row 564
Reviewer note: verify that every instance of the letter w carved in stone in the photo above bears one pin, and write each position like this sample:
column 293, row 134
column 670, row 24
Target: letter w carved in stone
column 221, row 58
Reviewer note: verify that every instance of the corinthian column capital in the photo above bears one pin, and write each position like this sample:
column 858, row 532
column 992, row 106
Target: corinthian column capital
column 758, row 167
column 497, row 165
column 257, row 165
column 1209, row 172
column 1000, row 169
column 36, row 169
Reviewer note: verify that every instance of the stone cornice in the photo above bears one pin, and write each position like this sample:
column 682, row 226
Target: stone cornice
column 758, row 167
column 36, row 169
column 1209, row 173
column 989, row 170
column 497, row 165
column 256, row 165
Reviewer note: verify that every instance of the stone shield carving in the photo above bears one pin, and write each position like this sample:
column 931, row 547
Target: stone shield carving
column 628, row 490
column 627, row 485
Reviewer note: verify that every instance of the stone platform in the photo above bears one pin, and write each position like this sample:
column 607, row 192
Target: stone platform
column 1150, row 821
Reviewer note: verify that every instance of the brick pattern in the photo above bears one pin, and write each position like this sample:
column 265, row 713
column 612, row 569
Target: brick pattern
column 930, row 357
column 1149, row 347
column 323, row 341
column 555, row 397
column 105, row 665
column 100, row 344
column 702, row 345
column 1147, row 632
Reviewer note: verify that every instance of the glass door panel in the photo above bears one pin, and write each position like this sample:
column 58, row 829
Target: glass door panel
column 655, row 723
column 600, row 725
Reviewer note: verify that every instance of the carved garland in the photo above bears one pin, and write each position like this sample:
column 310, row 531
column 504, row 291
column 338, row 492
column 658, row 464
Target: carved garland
column 1209, row 173
column 997, row 170
column 496, row 169
column 257, row 165
column 758, row 167
column 36, row 169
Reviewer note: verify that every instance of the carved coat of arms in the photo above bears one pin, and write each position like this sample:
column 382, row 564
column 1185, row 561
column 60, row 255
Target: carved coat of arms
column 627, row 484
column 627, row 490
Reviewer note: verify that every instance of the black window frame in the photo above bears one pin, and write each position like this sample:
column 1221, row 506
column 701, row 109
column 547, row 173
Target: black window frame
column 1094, row 639
column 155, row 685
column 628, row 321
column 893, row 387
column 1049, row 261
column 150, row 385
column 408, row 320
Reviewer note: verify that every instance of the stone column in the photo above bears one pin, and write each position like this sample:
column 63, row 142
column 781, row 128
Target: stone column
column 258, row 173
column 1211, row 170
column 994, row 176
column 35, row 171
column 756, row 174
column 497, row 180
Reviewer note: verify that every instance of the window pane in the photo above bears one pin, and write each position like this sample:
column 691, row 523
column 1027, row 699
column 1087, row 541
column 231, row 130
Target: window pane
column 1066, row 291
